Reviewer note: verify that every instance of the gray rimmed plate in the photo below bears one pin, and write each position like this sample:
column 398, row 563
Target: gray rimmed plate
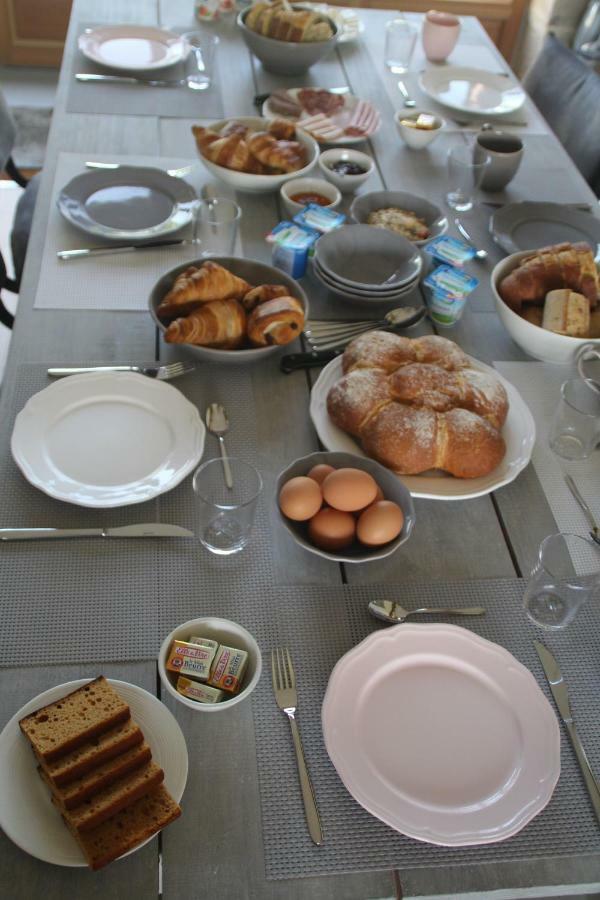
column 131, row 203
column 528, row 225
column 362, row 257
column 364, row 295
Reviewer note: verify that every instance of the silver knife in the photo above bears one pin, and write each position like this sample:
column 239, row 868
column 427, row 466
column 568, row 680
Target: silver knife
column 561, row 698
column 127, row 79
column 107, row 251
column 595, row 532
column 148, row 529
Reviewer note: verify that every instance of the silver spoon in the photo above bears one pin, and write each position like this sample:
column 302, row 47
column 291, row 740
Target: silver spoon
column 388, row 611
column 480, row 254
column 218, row 424
column 408, row 100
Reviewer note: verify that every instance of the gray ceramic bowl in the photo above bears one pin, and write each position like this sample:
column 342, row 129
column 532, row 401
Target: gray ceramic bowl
column 255, row 273
column 359, row 256
column 390, row 484
column 433, row 216
column 286, row 57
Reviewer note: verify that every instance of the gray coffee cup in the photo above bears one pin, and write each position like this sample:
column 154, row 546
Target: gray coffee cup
column 504, row 151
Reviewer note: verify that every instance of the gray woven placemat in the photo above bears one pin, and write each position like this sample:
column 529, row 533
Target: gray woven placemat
column 124, row 99
column 319, row 625
column 95, row 600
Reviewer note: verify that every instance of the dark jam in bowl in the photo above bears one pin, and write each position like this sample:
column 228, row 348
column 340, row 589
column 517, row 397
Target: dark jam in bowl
column 308, row 197
column 345, row 167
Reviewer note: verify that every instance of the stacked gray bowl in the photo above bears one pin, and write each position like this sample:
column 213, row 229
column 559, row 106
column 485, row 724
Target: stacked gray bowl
column 366, row 264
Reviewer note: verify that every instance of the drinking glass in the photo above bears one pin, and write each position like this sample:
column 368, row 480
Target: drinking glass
column 400, row 39
column 555, row 589
column 216, row 224
column 575, row 429
column 465, row 177
column 224, row 516
column 200, row 61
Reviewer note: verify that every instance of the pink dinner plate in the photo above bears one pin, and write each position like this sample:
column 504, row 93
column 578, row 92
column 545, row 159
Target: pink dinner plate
column 441, row 734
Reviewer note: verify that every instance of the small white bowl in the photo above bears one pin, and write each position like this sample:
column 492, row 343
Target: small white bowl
column 346, row 183
column 225, row 632
column 308, row 185
column 417, row 138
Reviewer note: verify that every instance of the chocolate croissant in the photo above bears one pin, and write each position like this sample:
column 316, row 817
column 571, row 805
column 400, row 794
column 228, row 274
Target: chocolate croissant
column 195, row 286
column 219, row 323
column 276, row 321
column 262, row 293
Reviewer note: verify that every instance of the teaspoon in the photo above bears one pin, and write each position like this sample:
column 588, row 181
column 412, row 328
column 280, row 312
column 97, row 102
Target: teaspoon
column 388, row 611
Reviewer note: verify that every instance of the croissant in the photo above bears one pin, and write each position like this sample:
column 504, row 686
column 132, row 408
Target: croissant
column 198, row 285
column 415, row 416
column 282, row 129
column 549, row 268
column 383, row 350
column 276, row 321
column 218, row 323
column 231, row 151
column 261, row 293
column 285, row 155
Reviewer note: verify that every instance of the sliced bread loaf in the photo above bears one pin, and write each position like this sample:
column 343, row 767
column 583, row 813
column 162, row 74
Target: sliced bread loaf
column 112, row 799
column 95, row 752
column 99, row 778
column 128, row 828
column 71, row 721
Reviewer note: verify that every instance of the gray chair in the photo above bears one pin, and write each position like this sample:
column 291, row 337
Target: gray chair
column 567, row 93
column 24, row 212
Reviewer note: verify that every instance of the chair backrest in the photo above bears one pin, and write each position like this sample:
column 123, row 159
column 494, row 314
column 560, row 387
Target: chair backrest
column 567, row 93
column 8, row 132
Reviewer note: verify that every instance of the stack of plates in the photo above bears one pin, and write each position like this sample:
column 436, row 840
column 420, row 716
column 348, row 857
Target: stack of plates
column 367, row 264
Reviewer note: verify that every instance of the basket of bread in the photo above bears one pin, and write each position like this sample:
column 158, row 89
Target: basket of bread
column 547, row 299
column 287, row 39
column 228, row 309
column 253, row 154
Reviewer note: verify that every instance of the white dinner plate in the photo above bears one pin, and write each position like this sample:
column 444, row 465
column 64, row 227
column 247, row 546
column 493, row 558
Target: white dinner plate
column 27, row 814
column 518, row 433
column 129, row 203
column 341, row 118
column 441, row 734
column 472, row 90
column 132, row 48
column 107, row 439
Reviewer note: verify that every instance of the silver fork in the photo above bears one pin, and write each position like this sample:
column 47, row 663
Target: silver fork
column 181, row 172
column 161, row 373
column 286, row 697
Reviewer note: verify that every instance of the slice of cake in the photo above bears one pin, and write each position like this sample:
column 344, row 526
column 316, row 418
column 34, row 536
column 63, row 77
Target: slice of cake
column 94, row 752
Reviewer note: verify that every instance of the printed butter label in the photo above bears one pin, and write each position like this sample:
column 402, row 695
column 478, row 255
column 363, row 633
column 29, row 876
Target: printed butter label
column 228, row 669
column 190, row 659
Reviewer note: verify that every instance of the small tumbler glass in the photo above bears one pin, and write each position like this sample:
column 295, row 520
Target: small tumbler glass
column 555, row 589
column 465, row 176
column 224, row 516
column 216, row 224
column 575, row 429
column 400, row 39
column 200, row 64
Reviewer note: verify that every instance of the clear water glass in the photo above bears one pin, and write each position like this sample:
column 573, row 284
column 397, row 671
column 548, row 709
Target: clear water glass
column 400, row 39
column 566, row 574
column 465, row 176
column 200, row 63
column 216, row 225
column 224, row 516
column 575, row 429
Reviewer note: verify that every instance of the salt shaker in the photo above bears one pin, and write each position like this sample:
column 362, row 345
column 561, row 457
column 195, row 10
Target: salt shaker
column 439, row 35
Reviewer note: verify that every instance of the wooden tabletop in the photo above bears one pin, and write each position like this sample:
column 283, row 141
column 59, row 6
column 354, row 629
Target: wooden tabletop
column 494, row 536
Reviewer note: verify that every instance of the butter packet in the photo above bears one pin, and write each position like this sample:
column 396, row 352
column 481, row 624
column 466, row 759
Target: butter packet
column 228, row 669
column 449, row 250
column 194, row 690
column 193, row 660
column 320, row 218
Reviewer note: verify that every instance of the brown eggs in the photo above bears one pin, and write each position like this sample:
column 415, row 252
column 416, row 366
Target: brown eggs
column 349, row 489
column 300, row 498
column 332, row 529
column 341, row 507
column 380, row 523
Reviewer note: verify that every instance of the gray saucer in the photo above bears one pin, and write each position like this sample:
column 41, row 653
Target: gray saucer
column 529, row 225
column 130, row 203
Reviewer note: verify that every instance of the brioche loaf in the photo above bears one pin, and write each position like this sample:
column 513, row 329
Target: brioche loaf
column 281, row 21
column 415, row 416
column 557, row 266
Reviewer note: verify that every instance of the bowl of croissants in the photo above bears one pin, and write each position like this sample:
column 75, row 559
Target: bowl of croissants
column 548, row 300
column 255, row 155
column 231, row 310
column 287, row 39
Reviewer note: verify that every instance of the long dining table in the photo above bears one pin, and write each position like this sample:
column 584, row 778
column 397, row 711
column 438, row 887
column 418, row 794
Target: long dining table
column 92, row 606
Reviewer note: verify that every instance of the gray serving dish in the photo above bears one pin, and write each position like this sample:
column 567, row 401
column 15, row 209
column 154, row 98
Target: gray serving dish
column 390, row 484
column 286, row 57
column 433, row 216
column 254, row 273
